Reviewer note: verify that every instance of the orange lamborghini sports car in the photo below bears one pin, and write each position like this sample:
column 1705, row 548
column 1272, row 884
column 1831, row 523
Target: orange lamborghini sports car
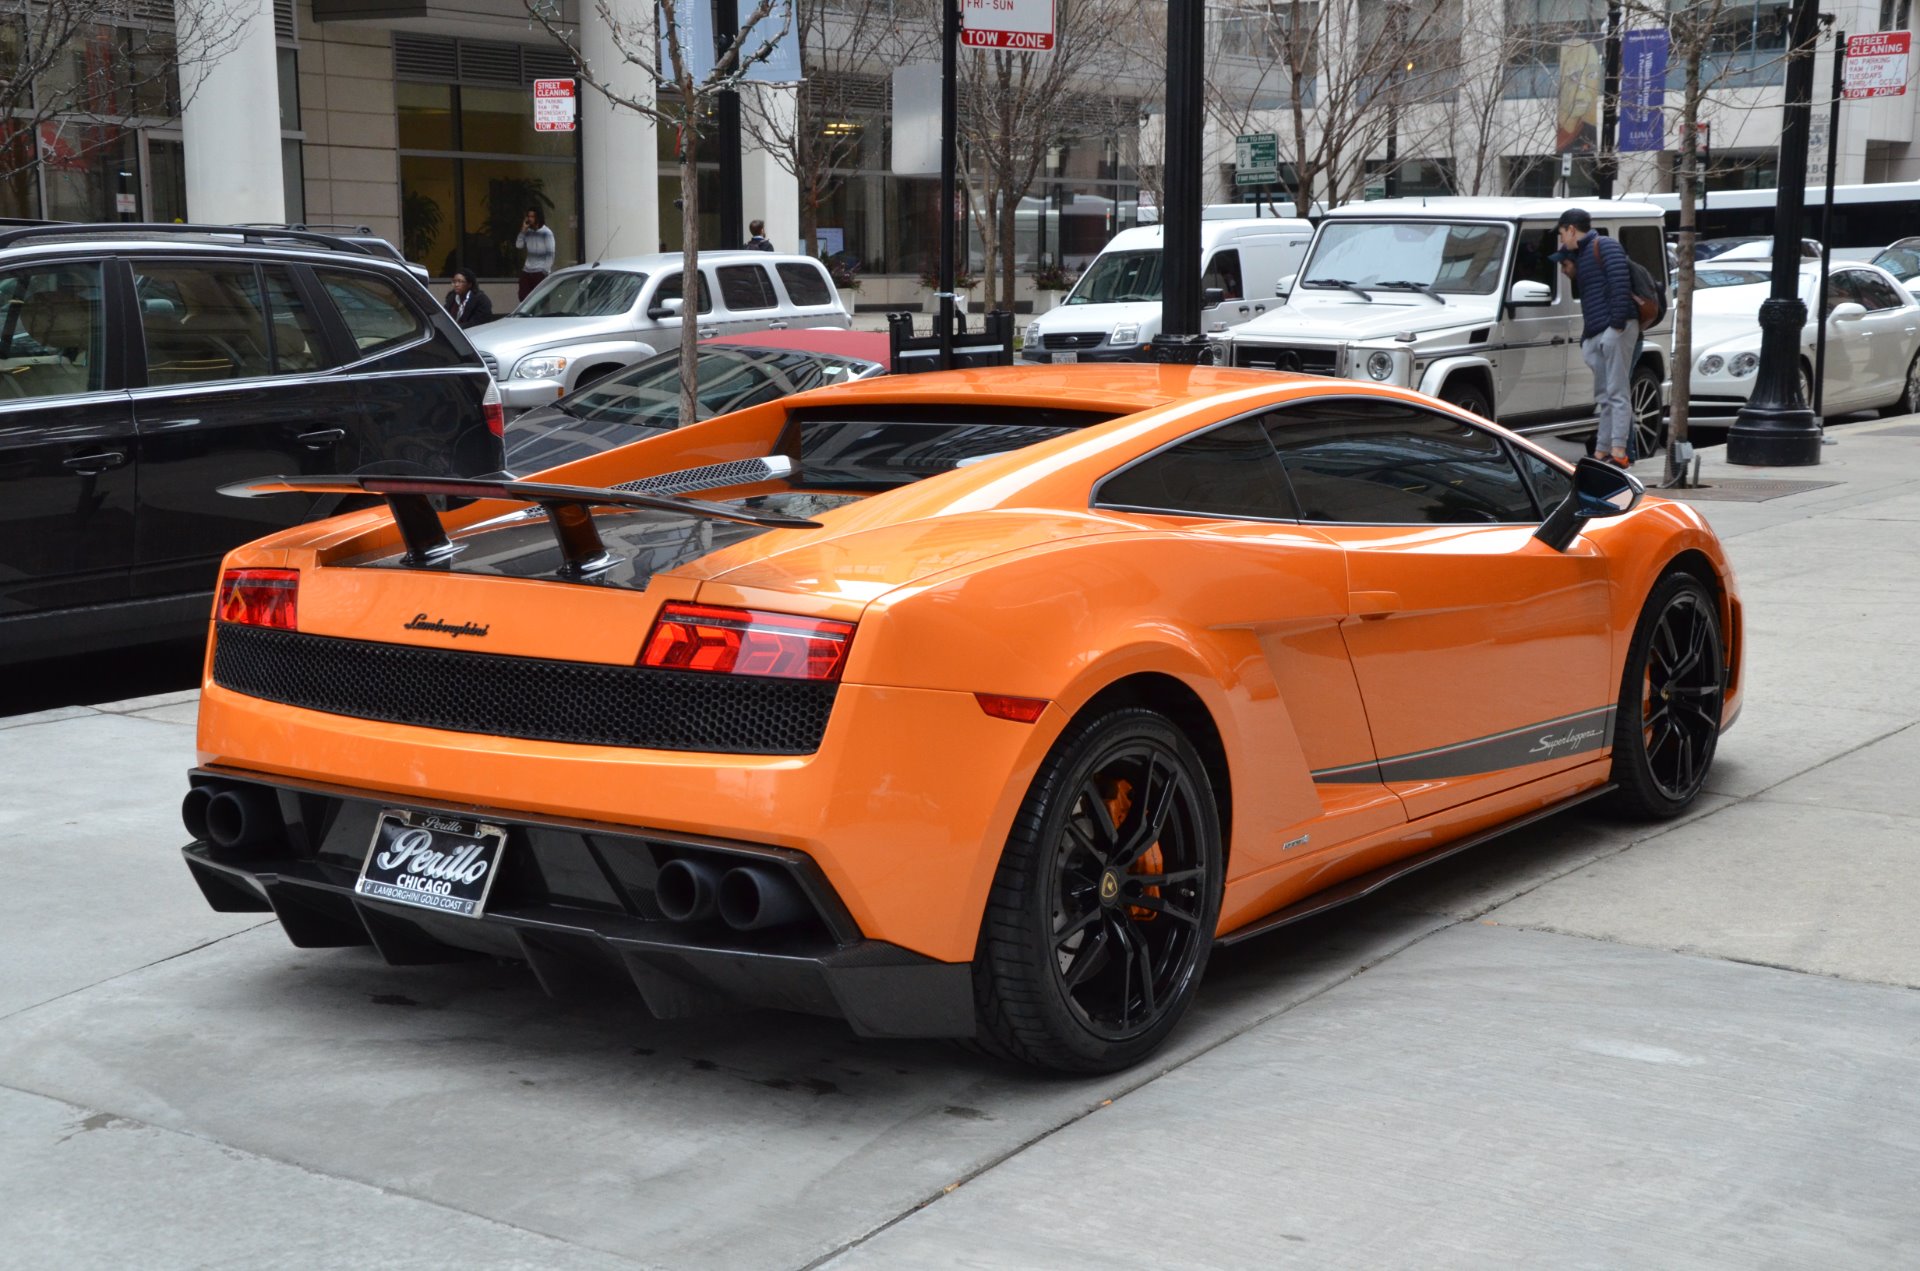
column 979, row 704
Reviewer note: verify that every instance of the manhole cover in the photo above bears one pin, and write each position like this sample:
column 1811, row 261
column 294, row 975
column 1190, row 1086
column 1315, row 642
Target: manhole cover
column 1745, row 490
column 1902, row 430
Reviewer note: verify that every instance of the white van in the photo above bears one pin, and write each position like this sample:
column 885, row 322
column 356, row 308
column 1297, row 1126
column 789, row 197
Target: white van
column 1113, row 312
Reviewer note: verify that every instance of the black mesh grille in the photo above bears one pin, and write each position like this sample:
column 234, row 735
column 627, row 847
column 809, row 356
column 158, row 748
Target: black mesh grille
column 587, row 702
column 1071, row 339
column 1267, row 358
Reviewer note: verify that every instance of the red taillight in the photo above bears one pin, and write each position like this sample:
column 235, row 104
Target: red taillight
column 491, row 407
column 747, row 642
column 1021, row 710
column 259, row 597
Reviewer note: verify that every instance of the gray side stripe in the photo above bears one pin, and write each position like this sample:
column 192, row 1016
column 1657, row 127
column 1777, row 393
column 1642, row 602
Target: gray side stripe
column 1549, row 739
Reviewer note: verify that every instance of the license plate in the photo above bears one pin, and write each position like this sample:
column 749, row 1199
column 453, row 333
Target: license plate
column 1061, row 359
column 446, row 863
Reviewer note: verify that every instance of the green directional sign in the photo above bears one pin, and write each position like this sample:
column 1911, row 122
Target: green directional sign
column 1256, row 159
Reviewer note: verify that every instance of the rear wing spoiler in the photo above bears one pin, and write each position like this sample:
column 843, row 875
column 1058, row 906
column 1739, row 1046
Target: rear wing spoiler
column 568, row 507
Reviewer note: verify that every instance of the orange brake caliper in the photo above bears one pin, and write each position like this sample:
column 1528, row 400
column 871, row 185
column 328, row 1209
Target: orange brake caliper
column 1151, row 861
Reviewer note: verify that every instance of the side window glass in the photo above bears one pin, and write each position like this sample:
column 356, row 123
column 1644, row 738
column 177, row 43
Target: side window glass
column 1550, row 485
column 746, row 287
column 296, row 334
column 1646, row 247
column 670, row 290
column 1223, row 271
column 1840, row 291
column 377, row 315
column 1530, row 261
column 204, row 322
column 806, row 284
column 1875, row 291
column 1380, row 463
column 1228, row 471
column 52, row 339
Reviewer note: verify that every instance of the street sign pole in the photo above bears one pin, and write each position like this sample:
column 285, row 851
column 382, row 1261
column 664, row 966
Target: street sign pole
column 949, row 165
column 727, row 131
column 1180, row 338
column 1826, row 220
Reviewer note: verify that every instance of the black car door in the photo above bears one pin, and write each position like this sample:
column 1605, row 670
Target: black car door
column 67, row 478
column 235, row 388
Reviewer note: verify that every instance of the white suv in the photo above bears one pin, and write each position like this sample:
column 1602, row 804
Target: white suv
column 1457, row 297
column 592, row 320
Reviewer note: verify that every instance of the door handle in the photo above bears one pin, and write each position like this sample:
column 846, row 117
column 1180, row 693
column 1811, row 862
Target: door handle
column 1370, row 606
column 321, row 438
column 93, row 465
column 776, row 326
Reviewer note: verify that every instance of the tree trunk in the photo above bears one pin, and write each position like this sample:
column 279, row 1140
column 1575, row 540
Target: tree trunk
column 809, row 181
column 1689, row 184
column 1009, row 235
column 689, row 267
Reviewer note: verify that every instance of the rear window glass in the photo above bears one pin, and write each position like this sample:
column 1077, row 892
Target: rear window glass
column 377, row 315
column 745, row 287
column 805, row 284
column 883, row 447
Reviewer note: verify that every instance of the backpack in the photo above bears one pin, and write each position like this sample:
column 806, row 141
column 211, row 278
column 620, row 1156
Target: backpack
column 1649, row 293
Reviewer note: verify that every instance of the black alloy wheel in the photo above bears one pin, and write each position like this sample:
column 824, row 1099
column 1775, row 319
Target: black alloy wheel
column 1667, row 723
column 1468, row 396
column 1102, row 913
column 1649, row 419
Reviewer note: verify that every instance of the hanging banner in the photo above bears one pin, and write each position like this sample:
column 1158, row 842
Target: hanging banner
column 1583, row 77
column 1643, row 90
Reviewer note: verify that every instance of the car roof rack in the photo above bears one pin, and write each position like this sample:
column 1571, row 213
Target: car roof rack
column 10, row 237
column 316, row 227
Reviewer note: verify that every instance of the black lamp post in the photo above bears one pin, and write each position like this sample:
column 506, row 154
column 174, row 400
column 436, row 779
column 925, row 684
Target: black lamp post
column 1180, row 338
column 1775, row 429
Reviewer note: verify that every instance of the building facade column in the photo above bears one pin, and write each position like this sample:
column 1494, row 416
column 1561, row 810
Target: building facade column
column 619, row 156
column 229, row 76
column 770, row 192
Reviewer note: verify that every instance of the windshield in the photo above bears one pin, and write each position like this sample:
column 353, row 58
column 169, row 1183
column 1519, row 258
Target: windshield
column 1455, row 259
column 1706, row 279
column 592, row 293
column 1902, row 260
column 1119, row 276
column 728, row 379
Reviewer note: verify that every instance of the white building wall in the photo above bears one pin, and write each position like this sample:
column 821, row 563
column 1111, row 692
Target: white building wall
column 352, row 169
column 231, row 125
column 619, row 164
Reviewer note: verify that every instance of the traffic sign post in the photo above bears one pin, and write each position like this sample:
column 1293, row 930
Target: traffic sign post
column 1256, row 159
column 1877, row 65
column 1018, row 26
column 554, row 105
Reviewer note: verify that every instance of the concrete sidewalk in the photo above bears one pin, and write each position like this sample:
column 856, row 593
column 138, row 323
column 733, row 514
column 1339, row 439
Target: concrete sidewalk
column 1694, row 1044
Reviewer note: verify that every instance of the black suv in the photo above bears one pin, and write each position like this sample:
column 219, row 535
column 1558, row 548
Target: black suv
column 142, row 367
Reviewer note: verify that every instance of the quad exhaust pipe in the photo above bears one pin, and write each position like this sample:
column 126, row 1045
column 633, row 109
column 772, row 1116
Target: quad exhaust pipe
column 232, row 816
column 746, row 898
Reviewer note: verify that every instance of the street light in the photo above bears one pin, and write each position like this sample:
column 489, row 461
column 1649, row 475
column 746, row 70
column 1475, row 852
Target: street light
column 1775, row 429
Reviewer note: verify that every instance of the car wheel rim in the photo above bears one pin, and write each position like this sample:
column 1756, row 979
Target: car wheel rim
column 1646, row 416
column 1912, row 400
column 1681, row 697
column 1130, row 879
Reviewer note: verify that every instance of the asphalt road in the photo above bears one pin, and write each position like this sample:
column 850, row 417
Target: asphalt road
column 1593, row 1044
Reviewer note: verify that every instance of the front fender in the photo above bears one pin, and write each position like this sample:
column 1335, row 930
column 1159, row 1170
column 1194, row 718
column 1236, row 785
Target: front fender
column 1435, row 376
column 597, row 353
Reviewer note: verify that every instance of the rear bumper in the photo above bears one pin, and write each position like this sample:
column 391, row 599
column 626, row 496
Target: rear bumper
column 575, row 902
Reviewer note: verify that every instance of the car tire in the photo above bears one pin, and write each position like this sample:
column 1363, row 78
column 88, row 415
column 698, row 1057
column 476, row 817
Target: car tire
column 1667, row 721
column 1468, row 396
column 1102, row 913
column 1806, row 393
column 1908, row 402
column 1649, row 418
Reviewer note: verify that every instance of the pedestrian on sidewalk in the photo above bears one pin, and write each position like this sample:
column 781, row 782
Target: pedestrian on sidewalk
column 466, row 302
column 1610, row 328
column 536, row 240
column 759, row 242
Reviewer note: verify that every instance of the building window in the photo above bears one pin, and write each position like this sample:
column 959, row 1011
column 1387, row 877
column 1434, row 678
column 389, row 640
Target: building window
column 1539, row 28
column 471, row 165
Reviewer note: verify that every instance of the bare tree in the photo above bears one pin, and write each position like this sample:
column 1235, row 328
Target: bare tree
column 848, row 48
column 680, row 96
column 73, row 73
column 1493, row 132
column 1017, row 107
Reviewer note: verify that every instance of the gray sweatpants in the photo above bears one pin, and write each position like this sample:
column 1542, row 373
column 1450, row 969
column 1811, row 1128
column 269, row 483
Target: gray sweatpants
column 1607, row 357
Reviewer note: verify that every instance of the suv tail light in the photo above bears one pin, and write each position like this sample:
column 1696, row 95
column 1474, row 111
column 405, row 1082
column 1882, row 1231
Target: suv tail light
column 491, row 406
column 259, row 598
column 690, row 637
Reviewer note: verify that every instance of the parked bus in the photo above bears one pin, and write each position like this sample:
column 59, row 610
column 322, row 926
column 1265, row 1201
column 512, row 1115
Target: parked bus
column 1865, row 217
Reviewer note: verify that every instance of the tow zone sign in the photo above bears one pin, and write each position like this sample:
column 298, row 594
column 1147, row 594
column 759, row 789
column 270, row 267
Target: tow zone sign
column 1020, row 26
column 1877, row 65
column 553, row 105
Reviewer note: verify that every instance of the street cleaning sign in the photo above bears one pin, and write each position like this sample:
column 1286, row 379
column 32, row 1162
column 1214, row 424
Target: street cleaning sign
column 1876, row 65
column 553, row 105
column 1256, row 159
column 1019, row 26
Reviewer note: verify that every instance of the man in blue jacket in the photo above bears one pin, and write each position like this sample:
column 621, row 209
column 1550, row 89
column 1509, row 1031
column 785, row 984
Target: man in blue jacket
column 1610, row 327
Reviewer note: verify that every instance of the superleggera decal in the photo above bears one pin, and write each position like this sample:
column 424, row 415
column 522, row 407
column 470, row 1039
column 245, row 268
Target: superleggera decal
column 1534, row 743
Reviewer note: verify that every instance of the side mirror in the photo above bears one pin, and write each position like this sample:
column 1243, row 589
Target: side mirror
column 1600, row 490
column 1285, row 285
column 667, row 309
column 1212, row 296
column 1848, row 312
column 1528, row 292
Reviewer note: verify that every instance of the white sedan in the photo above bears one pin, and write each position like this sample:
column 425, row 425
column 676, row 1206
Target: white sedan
column 1873, row 339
